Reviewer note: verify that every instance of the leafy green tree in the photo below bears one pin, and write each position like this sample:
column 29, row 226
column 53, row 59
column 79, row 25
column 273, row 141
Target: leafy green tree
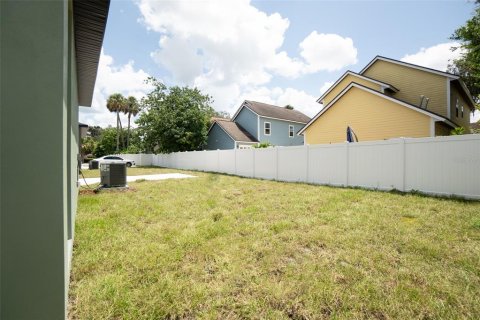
column 136, row 143
column 221, row 114
column 174, row 119
column 117, row 103
column 107, row 143
column 468, row 65
column 95, row 132
column 132, row 108
column 88, row 145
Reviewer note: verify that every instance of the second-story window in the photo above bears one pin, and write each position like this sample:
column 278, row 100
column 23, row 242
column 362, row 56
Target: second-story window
column 456, row 108
column 291, row 131
column 462, row 111
column 267, row 128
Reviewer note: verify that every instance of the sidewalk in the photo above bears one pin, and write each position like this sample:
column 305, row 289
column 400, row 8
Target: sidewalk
column 162, row 176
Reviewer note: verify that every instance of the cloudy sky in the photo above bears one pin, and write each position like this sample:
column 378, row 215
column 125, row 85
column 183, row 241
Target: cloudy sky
column 278, row 52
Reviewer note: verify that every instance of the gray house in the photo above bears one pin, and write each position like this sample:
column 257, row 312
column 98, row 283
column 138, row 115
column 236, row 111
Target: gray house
column 258, row 122
column 226, row 134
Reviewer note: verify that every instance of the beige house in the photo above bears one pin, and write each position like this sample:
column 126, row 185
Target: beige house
column 391, row 99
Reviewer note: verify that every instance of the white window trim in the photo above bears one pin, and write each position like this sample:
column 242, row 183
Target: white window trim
column 461, row 109
column 269, row 128
column 293, row 131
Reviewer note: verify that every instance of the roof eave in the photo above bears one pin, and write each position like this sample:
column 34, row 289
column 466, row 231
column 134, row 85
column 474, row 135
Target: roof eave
column 354, row 84
column 90, row 20
column 407, row 64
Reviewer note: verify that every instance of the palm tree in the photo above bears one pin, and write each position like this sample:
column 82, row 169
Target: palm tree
column 131, row 108
column 116, row 103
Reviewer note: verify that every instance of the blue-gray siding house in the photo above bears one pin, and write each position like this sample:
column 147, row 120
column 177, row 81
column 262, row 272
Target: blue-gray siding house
column 225, row 134
column 269, row 123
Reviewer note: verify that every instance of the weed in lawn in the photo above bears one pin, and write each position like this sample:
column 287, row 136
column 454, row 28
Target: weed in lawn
column 476, row 224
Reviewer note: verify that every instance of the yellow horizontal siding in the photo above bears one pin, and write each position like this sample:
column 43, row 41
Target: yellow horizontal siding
column 344, row 83
column 412, row 83
column 370, row 116
column 462, row 122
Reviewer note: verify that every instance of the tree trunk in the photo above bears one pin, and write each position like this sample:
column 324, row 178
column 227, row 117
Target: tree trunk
column 122, row 140
column 128, row 130
column 118, row 132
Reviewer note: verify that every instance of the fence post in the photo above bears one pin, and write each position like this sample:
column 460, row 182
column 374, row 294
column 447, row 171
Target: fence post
column 253, row 163
column 307, row 152
column 235, row 159
column 347, row 161
column 276, row 163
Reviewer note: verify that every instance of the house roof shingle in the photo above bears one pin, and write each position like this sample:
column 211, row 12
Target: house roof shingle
column 236, row 131
column 271, row 111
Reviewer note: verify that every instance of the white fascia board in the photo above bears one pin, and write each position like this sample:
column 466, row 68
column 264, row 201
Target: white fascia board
column 353, row 84
column 406, row 64
column 258, row 127
column 283, row 120
column 244, row 105
column 380, row 83
column 469, row 95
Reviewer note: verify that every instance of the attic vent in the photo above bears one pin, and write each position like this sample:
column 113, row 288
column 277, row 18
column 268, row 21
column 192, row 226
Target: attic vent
column 423, row 102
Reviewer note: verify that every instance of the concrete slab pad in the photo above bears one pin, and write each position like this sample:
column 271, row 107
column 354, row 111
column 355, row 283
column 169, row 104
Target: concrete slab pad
column 161, row 176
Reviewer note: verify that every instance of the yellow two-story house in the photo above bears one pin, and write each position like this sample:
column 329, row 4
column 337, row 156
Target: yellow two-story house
column 391, row 99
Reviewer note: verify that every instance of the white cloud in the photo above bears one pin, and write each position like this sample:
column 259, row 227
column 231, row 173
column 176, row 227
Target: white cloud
column 329, row 52
column 230, row 48
column 111, row 79
column 326, row 86
column 436, row 57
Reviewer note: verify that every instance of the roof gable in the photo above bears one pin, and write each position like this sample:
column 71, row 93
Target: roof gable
column 273, row 112
column 400, row 102
column 409, row 65
column 451, row 76
column 347, row 73
column 233, row 130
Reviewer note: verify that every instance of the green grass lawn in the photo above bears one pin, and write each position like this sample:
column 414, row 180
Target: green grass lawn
column 223, row 247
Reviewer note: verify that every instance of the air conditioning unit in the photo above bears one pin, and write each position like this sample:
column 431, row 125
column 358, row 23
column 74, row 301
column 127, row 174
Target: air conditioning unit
column 113, row 174
column 93, row 164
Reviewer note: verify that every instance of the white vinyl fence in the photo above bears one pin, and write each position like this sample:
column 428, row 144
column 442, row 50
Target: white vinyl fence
column 440, row 165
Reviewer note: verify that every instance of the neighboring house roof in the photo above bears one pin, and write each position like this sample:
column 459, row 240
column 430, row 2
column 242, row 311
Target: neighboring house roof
column 451, row 76
column 234, row 130
column 90, row 19
column 83, row 125
column 386, row 85
column 400, row 102
column 274, row 112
